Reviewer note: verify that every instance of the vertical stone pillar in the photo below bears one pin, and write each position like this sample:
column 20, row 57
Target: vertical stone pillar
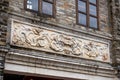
column 4, row 9
column 115, row 12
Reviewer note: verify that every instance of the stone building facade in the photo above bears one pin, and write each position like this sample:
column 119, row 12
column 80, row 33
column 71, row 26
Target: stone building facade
column 57, row 47
column 116, row 24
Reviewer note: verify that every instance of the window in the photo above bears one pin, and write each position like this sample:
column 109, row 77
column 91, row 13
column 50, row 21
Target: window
column 46, row 7
column 87, row 13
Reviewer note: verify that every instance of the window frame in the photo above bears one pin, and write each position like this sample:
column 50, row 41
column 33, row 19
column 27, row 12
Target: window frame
column 88, row 15
column 39, row 12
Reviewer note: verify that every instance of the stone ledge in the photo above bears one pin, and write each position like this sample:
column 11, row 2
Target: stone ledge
column 17, row 58
column 54, row 56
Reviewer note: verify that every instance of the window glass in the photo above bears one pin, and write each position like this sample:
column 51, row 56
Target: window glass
column 82, row 19
column 47, row 8
column 82, row 6
column 93, row 10
column 93, row 22
column 92, row 1
column 32, row 4
column 41, row 6
column 87, row 14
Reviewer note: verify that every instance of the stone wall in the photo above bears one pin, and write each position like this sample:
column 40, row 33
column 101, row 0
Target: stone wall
column 65, row 15
column 65, row 21
column 115, row 11
column 4, row 9
column 3, row 21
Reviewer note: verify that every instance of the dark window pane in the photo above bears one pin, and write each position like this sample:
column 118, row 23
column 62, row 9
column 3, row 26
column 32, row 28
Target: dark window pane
column 93, row 10
column 92, row 1
column 81, row 6
column 82, row 19
column 47, row 8
column 32, row 4
column 93, row 22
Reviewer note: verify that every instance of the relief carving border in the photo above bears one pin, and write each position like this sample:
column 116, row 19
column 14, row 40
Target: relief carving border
column 36, row 37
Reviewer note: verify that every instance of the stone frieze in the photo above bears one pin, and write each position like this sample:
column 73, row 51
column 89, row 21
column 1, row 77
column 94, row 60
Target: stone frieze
column 29, row 36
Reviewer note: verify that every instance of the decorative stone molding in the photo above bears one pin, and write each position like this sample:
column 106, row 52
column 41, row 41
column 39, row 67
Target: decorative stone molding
column 64, row 66
column 33, row 37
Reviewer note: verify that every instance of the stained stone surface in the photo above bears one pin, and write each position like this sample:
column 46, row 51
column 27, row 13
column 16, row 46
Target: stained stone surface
column 29, row 36
column 90, row 49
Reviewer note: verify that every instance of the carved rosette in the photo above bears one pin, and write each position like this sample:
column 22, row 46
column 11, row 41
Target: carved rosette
column 29, row 36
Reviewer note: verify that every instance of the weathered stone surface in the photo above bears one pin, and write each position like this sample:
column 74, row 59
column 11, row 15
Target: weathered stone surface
column 65, row 15
column 4, row 6
column 26, row 35
column 29, row 64
column 65, row 21
column 115, row 11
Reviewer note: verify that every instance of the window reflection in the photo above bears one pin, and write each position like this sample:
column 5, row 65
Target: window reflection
column 87, row 14
column 47, row 8
column 32, row 4
column 82, row 19
column 41, row 6
column 93, row 10
column 82, row 6
column 93, row 22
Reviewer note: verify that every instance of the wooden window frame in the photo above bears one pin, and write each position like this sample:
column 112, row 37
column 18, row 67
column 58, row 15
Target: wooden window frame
column 40, row 8
column 88, row 15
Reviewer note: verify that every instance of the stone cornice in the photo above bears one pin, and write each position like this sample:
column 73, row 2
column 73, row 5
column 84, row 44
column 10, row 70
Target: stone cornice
column 28, row 60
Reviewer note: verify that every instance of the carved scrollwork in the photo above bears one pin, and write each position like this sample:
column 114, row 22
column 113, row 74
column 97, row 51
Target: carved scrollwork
column 77, row 47
column 56, row 44
column 31, row 37
column 66, row 44
column 91, row 50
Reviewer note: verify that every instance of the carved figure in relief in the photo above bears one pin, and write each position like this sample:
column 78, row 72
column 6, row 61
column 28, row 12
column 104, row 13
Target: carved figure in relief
column 66, row 40
column 77, row 47
column 91, row 50
column 35, row 38
column 31, row 36
column 66, row 44
column 39, row 38
column 103, row 52
column 56, row 44
column 19, row 35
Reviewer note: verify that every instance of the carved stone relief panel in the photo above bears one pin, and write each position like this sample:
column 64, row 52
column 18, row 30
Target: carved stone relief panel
column 30, row 36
